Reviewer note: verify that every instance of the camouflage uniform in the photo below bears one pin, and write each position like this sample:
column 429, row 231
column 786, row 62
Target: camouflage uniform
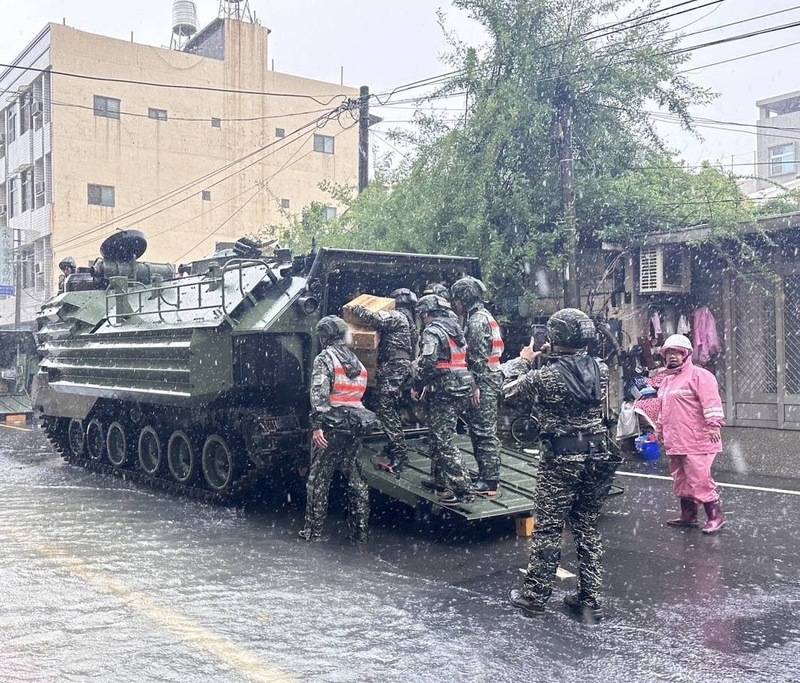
column 393, row 373
column 343, row 427
column 482, row 418
column 571, row 486
column 447, row 393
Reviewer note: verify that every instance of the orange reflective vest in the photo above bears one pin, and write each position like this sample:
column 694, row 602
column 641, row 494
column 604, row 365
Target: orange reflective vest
column 347, row 392
column 498, row 346
column 458, row 357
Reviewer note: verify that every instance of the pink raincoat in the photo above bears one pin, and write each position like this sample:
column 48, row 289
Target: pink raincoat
column 691, row 411
column 706, row 339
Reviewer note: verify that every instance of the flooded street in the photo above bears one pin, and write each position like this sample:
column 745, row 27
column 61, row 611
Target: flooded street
column 103, row 580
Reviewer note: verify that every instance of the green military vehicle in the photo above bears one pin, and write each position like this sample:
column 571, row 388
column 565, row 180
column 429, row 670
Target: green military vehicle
column 196, row 379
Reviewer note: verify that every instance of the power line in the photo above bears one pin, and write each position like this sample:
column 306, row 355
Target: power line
column 143, row 207
column 640, row 16
column 736, row 59
column 180, row 86
column 657, row 19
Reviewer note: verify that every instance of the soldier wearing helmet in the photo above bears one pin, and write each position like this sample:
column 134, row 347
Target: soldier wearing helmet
column 67, row 266
column 338, row 420
column 575, row 473
column 689, row 423
column 440, row 290
column 484, row 350
column 441, row 374
column 396, row 351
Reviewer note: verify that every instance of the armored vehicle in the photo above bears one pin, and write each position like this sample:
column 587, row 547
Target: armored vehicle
column 195, row 379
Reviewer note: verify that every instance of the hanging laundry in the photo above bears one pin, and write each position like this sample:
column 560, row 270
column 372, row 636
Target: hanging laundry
column 683, row 325
column 655, row 322
column 706, row 340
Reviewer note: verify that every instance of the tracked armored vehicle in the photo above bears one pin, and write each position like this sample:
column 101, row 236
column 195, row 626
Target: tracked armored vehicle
column 195, row 379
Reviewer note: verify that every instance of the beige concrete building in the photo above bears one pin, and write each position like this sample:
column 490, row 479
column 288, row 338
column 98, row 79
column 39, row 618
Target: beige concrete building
column 223, row 147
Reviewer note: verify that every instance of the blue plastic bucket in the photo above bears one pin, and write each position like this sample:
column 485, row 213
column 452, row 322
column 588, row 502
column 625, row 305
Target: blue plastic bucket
column 651, row 451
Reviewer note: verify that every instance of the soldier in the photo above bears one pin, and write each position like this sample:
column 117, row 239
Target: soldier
column 575, row 474
column 338, row 420
column 440, row 290
column 67, row 267
column 441, row 371
column 396, row 350
column 484, row 349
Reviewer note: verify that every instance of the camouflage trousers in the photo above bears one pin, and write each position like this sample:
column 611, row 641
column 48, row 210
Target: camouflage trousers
column 390, row 384
column 570, row 488
column 341, row 454
column 482, row 420
column 447, row 463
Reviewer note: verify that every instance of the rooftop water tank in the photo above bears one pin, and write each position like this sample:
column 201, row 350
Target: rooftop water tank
column 184, row 18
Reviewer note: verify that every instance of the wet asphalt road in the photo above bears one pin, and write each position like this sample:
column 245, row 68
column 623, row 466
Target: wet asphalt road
column 102, row 580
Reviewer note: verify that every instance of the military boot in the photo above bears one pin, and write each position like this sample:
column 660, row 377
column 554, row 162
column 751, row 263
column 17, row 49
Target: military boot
column 688, row 516
column 587, row 609
column 529, row 606
column 486, row 488
column 716, row 520
column 309, row 535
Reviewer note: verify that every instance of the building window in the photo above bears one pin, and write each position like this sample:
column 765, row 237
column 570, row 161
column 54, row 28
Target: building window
column 280, row 133
column 106, row 106
column 206, row 195
column 12, row 192
column 323, row 143
column 157, row 114
column 12, row 123
column 24, row 191
column 24, row 113
column 781, row 159
column 284, row 203
column 216, row 123
column 101, row 195
column 330, row 213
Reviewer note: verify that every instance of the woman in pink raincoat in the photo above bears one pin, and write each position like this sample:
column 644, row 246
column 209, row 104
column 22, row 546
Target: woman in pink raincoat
column 689, row 423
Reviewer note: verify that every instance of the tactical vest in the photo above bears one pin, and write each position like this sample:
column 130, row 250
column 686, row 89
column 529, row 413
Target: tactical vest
column 498, row 346
column 347, row 392
column 458, row 357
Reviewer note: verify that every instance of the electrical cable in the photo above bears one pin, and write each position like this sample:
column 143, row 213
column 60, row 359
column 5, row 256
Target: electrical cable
column 143, row 207
column 180, row 86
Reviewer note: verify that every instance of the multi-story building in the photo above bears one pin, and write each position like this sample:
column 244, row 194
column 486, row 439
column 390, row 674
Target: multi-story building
column 777, row 150
column 192, row 146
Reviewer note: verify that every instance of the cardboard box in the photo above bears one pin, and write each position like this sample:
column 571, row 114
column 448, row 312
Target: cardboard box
column 362, row 340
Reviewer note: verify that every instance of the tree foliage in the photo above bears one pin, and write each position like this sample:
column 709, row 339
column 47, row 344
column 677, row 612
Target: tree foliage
column 489, row 185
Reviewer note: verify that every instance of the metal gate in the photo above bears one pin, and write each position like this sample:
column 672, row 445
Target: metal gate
column 764, row 366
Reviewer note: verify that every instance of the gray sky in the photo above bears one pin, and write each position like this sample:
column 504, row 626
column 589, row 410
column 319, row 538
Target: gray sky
column 388, row 43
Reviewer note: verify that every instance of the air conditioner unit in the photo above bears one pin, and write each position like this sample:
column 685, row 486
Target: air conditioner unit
column 37, row 108
column 38, row 188
column 665, row 269
column 2, row 138
column 37, row 268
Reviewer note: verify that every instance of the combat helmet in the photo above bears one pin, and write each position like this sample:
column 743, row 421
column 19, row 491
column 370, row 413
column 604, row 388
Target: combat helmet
column 571, row 328
column 331, row 327
column 468, row 290
column 438, row 289
column 404, row 297
column 67, row 262
column 432, row 304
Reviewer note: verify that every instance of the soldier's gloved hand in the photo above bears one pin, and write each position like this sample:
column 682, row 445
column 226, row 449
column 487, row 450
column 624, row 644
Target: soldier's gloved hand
column 415, row 395
column 318, row 439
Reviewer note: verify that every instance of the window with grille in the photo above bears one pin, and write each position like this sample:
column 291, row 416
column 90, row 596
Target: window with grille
column 216, row 123
column 781, row 159
column 206, row 195
column 330, row 213
column 284, row 203
column 755, row 338
column 280, row 133
column 107, row 107
column 157, row 114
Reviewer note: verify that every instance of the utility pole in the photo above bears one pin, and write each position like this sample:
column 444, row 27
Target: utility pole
column 563, row 132
column 363, row 139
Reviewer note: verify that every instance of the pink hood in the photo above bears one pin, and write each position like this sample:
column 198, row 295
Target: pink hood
column 691, row 410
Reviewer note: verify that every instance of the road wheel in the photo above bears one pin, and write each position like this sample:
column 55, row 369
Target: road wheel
column 76, row 437
column 117, row 446
column 220, row 465
column 151, row 458
column 95, row 440
column 183, row 459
